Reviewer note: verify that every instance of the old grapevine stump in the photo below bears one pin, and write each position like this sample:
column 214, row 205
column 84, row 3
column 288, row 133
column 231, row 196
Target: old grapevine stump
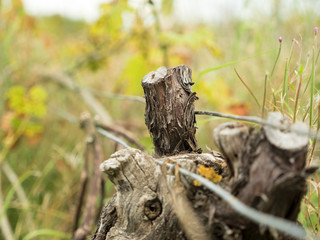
column 265, row 169
column 170, row 110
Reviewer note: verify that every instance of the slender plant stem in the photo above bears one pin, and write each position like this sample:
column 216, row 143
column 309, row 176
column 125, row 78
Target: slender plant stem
column 318, row 192
column 247, row 87
column 312, row 89
column 277, row 58
column 297, row 99
column 315, row 140
column 264, row 95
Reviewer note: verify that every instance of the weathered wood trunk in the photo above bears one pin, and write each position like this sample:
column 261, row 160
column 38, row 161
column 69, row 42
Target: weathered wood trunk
column 265, row 169
column 170, row 110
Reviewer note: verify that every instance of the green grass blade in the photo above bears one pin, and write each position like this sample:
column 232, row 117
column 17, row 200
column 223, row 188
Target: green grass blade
column 285, row 84
column 277, row 58
column 46, row 232
column 312, row 88
column 247, row 87
column 285, row 94
column 264, row 95
column 208, row 70
column 12, row 191
column 297, row 97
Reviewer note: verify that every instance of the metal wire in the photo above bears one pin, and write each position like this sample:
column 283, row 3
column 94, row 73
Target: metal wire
column 282, row 225
column 253, row 119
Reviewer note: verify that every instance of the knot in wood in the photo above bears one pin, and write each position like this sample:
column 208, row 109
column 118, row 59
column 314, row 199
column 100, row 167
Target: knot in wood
column 152, row 208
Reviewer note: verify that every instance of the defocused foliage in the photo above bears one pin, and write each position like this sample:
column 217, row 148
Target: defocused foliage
column 111, row 55
column 24, row 110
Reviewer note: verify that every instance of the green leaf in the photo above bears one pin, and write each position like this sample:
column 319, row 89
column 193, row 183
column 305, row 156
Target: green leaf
column 292, row 87
column 301, row 69
column 11, row 192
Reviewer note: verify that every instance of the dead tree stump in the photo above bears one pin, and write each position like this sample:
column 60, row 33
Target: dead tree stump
column 170, row 110
column 265, row 169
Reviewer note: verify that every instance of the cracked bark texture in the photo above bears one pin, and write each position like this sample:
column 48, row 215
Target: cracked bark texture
column 170, row 110
column 271, row 173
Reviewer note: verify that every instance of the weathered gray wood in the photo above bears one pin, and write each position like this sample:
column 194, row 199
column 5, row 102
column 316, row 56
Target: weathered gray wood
column 170, row 110
column 272, row 175
column 267, row 174
column 107, row 220
column 230, row 138
column 284, row 139
column 143, row 202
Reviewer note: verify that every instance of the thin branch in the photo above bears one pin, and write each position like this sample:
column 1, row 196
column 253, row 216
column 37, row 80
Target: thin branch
column 280, row 224
column 83, row 184
column 66, row 81
column 253, row 119
column 112, row 137
column 118, row 96
column 118, row 130
column 105, row 120
column 65, row 115
column 92, row 143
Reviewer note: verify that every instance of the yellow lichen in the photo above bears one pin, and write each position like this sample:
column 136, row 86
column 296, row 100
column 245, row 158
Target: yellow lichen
column 209, row 173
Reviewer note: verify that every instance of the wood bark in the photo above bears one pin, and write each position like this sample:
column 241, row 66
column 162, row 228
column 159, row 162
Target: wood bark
column 170, row 110
column 265, row 169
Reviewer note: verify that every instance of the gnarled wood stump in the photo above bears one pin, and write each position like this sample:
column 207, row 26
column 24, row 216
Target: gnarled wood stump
column 170, row 110
column 265, row 169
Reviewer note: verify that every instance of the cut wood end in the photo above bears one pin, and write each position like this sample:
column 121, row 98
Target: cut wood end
column 229, row 138
column 285, row 138
column 154, row 76
column 230, row 130
column 113, row 164
column 110, row 167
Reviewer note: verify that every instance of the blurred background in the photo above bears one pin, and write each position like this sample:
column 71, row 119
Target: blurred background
column 51, row 52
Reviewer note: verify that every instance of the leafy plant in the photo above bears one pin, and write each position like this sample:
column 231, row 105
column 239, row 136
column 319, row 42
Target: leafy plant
column 25, row 110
